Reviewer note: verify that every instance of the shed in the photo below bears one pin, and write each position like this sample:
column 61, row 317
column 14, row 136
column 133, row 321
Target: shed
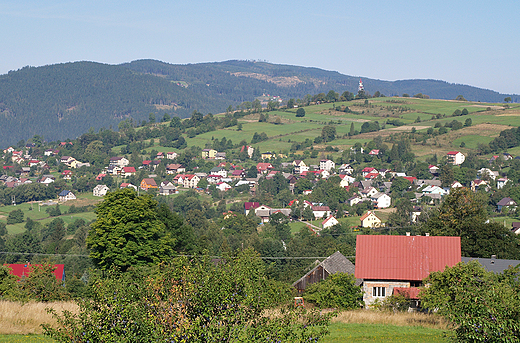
column 335, row 263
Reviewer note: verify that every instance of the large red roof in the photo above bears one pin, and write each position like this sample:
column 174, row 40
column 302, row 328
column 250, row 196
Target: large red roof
column 404, row 257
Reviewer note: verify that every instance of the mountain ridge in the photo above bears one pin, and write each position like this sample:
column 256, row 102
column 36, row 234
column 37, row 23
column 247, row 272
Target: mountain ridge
column 67, row 99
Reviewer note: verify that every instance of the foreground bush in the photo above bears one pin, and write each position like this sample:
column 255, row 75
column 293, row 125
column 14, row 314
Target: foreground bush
column 191, row 301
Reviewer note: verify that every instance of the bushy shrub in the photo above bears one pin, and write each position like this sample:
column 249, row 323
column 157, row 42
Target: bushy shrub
column 337, row 291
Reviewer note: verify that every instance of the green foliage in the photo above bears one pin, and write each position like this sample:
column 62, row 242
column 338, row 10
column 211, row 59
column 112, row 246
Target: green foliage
column 337, row 291
column 300, row 112
column 53, row 211
column 463, row 213
column 127, row 232
column 191, row 301
column 328, row 133
column 15, row 216
column 41, row 284
column 483, row 306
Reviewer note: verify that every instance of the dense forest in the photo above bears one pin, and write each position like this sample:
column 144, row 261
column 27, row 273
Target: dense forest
column 64, row 100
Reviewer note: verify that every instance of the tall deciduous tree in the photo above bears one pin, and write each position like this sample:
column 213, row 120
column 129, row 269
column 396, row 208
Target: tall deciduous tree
column 127, row 232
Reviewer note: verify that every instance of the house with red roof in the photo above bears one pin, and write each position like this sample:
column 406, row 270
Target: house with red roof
column 248, row 206
column 397, row 264
column 368, row 170
column 190, row 181
column 329, row 222
column 23, row 270
column 371, row 176
column 455, row 157
column 128, row 171
column 264, row 167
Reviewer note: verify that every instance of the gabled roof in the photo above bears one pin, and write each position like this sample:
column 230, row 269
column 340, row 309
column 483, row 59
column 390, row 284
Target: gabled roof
column 365, row 216
column 453, row 152
column 64, row 193
column 494, row 265
column 335, row 263
column 404, row 257
column 129, row 169
column 251, row 205
column 506, row 202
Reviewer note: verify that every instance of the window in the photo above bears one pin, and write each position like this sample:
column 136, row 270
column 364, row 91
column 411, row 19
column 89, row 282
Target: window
column 378, row 291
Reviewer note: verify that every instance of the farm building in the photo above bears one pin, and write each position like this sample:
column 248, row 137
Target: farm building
column 335, row 263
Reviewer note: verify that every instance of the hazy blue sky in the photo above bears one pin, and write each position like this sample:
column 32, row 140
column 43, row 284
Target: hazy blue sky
column 470, row 42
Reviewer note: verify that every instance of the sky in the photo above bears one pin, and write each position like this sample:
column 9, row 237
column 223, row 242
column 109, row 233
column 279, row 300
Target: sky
column 458, row 41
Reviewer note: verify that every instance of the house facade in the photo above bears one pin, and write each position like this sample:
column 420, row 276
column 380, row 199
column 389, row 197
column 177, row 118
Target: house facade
column 369, row 219
column 455, row 157
column 100, row 190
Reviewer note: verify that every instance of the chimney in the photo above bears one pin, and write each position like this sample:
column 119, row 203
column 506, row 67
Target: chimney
column 427, row 234
column 408, row 234
column 493, row 258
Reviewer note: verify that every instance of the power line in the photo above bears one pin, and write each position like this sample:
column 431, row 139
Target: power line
column 262, row 257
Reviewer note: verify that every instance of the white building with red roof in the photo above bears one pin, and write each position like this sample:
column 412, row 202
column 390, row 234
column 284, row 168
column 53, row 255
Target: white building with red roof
column 455, row 157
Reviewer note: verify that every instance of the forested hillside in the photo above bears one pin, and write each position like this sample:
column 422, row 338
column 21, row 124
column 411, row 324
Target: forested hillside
column 64, row 100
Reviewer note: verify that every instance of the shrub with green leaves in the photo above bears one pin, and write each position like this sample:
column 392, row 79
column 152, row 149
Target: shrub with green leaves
column 230, row 300
column 483, row 306
column 337, row 291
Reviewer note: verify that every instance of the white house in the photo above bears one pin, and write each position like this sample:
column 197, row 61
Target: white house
column 502, row 182
column 381, row 200
column 329, row 222
column 223, row 186
column 300, row 166
column 346, row 180
column 346, row 168
column 100, row 190
column 455, row 157
column 327, row 165
column 66, row 195
column 119, row 161
column 171, row 155
column 321, row 211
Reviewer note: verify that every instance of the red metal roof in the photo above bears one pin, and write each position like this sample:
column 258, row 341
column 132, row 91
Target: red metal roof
column 22, row 270
column 404, row 257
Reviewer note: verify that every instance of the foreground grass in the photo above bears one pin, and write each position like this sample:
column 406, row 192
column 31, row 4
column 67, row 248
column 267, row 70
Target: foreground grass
column 352, row 332
column 25, row 339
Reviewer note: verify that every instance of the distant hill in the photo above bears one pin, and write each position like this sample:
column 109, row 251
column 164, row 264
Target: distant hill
column 65, row 100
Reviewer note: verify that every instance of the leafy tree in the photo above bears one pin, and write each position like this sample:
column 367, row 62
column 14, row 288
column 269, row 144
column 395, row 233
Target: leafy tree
column 300, row 112
column 127, row 232
column 483, row 307
column 507, row 99
column 15, row 216
column 352, row 131
column 41, row 284
column 191, row 301
column 328, row 133
column 468, row 122
column 463, row 213
column 337, row 291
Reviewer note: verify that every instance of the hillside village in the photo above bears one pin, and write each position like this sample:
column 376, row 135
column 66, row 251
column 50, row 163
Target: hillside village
column 367, row 188
column 310, row 200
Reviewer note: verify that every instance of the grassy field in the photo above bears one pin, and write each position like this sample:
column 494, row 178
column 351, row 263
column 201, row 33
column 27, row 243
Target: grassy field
column 488, row 120
column 37, row 213
column 21, row 323
column 381, row 333
column 25, row 339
